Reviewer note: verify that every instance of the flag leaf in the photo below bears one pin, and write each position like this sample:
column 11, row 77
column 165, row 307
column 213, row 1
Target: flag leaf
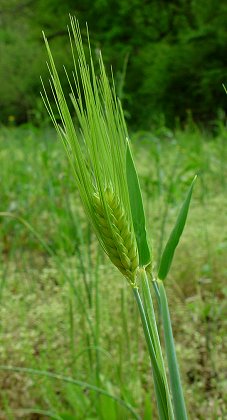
column 168, row 253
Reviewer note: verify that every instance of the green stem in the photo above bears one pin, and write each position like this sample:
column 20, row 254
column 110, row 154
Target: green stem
column 175, row 381
column 155, row 286
column 157, row 374
column 151, row 320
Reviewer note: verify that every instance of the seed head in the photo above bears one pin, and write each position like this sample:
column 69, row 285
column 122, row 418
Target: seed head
column 98, row 153
column 117, row 237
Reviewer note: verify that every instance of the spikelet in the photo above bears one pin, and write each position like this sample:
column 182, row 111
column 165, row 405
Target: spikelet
column 118, row 239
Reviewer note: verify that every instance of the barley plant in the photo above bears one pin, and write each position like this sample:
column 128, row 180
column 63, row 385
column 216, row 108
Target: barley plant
column 100, row 156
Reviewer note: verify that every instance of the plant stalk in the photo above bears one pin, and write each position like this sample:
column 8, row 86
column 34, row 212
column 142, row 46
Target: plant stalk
column 159, row 382
column 152, row 325
column 175, row 381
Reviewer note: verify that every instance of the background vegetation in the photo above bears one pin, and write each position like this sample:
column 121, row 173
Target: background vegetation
column 169, row 61
column 58, row 316
column 172, row 52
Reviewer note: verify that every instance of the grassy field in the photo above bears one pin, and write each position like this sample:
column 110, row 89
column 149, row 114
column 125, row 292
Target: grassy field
column 63, row 308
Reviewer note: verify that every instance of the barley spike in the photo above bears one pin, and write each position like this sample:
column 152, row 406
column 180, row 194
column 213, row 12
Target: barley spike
column 118, row 239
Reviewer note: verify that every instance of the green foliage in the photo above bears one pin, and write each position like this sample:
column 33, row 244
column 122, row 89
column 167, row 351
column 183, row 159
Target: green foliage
column 23, row 58
column 45, row 326
column 168, row 57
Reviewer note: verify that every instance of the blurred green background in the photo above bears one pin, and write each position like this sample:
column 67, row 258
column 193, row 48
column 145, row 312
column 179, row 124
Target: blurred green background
column 173, row 54
column 63, row 307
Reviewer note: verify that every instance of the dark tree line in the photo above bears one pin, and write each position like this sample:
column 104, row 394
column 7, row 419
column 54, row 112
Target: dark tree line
column 169, row 57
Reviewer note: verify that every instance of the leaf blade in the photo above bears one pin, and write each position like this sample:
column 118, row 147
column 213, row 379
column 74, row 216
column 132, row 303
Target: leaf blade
column 175, row 235
column 137, row 210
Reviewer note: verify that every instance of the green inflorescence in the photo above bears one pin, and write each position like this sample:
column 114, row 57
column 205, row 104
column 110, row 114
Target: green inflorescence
column 118, row 239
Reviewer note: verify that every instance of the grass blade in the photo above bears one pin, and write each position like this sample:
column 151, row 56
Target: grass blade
column 67, row 379
column 137, row 210
column 175, row 235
